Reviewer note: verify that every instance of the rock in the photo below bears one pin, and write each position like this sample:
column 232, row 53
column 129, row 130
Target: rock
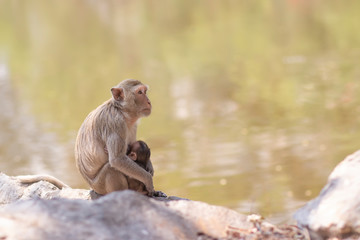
column 12, row 190
column 42, row 211
column 120, row 215
column 208, row 219
column 336, row 211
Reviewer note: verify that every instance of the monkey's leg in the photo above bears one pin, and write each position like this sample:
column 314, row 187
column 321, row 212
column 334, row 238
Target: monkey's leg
column 137, row 186
column 115, row 181
column 109, row 180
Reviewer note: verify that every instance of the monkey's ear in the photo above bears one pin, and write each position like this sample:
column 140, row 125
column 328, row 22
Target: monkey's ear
column 133, row 156
column 118, row 93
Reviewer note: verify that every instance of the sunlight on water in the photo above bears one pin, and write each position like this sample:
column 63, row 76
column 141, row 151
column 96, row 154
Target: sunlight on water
column 254, row 102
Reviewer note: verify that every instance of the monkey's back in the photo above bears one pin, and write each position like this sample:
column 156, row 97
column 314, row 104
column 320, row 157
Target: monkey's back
column 90, row 142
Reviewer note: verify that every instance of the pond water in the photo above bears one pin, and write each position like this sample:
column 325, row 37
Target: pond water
column 254, row 102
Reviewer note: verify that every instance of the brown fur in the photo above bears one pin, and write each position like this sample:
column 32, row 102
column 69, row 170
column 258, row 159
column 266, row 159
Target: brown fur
column 140, row 153
column 112, row 126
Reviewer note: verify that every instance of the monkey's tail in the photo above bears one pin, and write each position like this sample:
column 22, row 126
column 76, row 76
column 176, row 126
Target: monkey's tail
column 37, row 178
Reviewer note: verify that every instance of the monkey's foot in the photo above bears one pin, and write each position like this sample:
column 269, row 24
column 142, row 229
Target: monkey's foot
column 94, row 195
column 159, row 194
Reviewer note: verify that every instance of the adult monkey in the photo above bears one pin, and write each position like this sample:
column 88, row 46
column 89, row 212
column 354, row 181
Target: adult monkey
column 104, row 136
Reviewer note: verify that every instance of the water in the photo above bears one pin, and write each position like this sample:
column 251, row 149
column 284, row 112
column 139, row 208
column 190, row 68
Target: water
column 254, row 102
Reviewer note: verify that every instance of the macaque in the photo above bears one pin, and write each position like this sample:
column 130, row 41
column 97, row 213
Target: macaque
column 140, row 153
column 112, row 127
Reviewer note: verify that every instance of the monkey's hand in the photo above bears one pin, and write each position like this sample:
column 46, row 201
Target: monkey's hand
column 159, row 194
column 149, row 185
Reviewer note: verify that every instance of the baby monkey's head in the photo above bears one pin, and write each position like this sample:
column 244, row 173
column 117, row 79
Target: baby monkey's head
column 139, row 151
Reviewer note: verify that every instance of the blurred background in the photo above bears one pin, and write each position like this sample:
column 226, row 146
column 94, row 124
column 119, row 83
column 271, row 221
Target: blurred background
column 254, row 102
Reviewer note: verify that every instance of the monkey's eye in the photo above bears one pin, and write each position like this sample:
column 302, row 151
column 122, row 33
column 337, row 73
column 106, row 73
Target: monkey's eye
column 140, row 92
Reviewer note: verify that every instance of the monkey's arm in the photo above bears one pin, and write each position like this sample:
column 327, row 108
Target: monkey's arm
column 149, row 167
column 37, row 178
column 116, row 147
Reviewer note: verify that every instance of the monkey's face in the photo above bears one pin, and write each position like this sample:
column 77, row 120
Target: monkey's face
column 131, row 95
column 142, row 101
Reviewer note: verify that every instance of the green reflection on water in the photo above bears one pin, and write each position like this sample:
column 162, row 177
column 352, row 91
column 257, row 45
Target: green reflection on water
column 254, row 102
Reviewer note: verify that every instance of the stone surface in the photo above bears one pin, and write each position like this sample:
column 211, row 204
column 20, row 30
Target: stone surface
column 42, row 211
column 120, row 215
column 12, row 190
column 336, row 211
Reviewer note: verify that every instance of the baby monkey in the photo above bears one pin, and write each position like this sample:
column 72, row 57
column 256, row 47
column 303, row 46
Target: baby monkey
column 140, row 152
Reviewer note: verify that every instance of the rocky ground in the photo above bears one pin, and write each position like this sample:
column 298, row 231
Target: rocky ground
column 42, row 211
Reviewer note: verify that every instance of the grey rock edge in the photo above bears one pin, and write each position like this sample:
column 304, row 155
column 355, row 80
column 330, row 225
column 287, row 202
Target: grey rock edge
column 336, row 211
